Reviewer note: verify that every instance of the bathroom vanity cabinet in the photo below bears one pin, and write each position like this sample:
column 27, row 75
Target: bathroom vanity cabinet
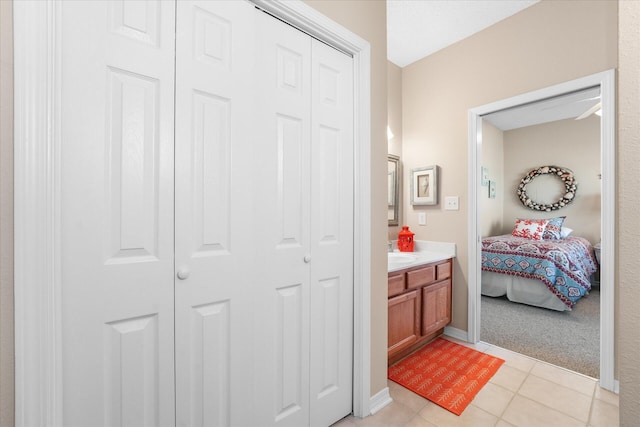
column 419, row 306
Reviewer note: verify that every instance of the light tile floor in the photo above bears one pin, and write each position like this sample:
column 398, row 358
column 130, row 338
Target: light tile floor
column 525, row 392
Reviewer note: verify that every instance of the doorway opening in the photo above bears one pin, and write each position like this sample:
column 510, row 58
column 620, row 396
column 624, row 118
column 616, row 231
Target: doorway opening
column 606, row 83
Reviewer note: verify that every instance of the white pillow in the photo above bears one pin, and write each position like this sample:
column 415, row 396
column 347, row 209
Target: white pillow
column 565, row 232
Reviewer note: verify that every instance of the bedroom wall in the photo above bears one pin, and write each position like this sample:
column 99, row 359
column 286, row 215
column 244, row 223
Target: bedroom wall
column 492, row 220
column 548, row 43
column 572, row 144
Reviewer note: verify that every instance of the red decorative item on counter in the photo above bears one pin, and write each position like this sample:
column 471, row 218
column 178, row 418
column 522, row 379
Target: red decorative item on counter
column 405, row 240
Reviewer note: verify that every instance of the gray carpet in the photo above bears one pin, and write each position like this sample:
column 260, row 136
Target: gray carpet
column 570, row 339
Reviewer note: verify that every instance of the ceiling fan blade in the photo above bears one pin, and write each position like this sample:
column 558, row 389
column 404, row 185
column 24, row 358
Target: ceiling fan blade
column 590, row 111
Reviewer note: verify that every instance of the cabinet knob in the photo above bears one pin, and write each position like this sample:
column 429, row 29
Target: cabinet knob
column 183, row 273
column 307, row 258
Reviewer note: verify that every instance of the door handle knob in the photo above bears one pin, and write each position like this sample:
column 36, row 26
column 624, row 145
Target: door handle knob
column 307, row 258
column 183, row 273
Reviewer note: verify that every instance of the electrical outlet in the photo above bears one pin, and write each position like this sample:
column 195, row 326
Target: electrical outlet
column 452, row 203
column 422, row 218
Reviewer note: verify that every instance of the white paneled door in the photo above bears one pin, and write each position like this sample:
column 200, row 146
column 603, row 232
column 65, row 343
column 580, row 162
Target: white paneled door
column 304, row 212
column 331, row 240
column 214, row 213
column 207, row 218
column 117, row 222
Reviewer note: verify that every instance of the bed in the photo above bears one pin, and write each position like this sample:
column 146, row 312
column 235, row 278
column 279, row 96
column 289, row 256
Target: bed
column 552, row 274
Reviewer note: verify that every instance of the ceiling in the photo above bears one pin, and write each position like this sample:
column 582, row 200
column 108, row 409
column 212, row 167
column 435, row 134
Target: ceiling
column 418, row 28
column 568, row 106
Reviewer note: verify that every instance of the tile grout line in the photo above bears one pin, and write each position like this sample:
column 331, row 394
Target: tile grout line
column 530, row 373
column 554, row 409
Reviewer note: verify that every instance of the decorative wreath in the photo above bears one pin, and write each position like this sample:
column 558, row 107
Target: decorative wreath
column 564, row 174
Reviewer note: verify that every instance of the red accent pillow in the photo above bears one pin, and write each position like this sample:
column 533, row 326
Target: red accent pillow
column 530, row 228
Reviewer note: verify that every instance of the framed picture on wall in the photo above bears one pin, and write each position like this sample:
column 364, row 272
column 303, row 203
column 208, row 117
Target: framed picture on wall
column 424, row 185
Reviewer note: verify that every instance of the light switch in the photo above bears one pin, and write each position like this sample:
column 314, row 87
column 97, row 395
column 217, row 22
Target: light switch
column 451, row 203
column 422, row 218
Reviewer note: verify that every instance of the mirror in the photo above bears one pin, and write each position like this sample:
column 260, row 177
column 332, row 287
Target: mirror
column 393, row 190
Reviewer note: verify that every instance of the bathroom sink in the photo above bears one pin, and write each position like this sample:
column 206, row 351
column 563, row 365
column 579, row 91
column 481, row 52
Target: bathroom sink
column 401, row 258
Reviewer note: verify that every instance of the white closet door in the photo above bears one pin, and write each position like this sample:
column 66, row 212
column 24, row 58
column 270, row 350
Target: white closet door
column 252, row 263
column 117, row 212
column 214, row 212
column 282, row 194
column 331, row 242
column 304, row 214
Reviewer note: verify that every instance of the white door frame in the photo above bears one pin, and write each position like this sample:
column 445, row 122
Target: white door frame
column 37, row 230
column 606, row 81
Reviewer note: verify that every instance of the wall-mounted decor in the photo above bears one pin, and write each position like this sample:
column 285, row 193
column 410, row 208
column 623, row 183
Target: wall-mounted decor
column 564, row 174
column 492, row 189
column 424, row 185
column 485, row 176
column 393, row 190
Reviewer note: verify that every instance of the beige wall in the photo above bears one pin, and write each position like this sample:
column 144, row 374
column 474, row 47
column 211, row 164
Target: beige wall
column 547, row 43
column 394, row 145
column 368, row 19
column 491, row 222
column 572, row 144
column 6, row 215
column 628, row 292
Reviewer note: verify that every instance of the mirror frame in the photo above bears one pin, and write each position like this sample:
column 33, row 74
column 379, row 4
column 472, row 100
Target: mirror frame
column 395, row 187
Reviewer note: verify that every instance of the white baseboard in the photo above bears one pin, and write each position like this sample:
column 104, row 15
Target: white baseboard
column 380, row 400
column 456, row 333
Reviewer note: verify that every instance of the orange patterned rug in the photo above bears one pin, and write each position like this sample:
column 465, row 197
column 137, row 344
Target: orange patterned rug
column 448, row 374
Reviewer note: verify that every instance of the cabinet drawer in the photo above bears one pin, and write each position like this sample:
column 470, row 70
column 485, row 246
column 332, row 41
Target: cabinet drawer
column 444, row 270
column 421, row 277
column 396, row 284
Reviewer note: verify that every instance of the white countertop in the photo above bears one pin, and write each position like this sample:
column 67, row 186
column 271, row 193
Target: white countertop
column 425, row 252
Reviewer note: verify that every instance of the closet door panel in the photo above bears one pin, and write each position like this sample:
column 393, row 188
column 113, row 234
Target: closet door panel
column 331, row 241
column 210, row 368
column 132, row 169
column 214, row 210
column 211, row 174
column 116, row 209
column 281, row 190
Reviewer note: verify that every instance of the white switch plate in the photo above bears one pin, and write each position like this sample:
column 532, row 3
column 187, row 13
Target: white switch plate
column 452, row 203
column 422, row 218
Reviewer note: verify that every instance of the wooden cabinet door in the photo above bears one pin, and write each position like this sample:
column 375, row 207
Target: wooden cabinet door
column 404, row 321
column 436, row 306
